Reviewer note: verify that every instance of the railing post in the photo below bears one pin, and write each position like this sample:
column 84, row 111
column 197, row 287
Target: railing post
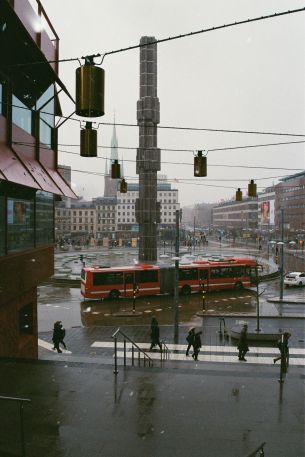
column 22, row 430
column 124, row 352
column 132, row 355
column 115, row 371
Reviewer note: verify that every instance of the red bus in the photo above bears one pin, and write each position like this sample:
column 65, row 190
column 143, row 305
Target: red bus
column 113, row 282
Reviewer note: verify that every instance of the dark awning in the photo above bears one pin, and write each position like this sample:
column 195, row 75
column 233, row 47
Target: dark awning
column 20, row 169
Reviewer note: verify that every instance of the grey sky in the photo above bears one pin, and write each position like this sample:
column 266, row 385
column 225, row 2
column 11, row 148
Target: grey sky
column 250, row 77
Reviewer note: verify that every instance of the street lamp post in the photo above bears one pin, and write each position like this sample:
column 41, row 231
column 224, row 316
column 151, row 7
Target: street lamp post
column 282, row 255
column 176, row 287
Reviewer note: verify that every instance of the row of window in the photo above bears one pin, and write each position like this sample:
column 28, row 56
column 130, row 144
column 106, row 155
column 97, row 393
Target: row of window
column 138, row 277
column 23, row 116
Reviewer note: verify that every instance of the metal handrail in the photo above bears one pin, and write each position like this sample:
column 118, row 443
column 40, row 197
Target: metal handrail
column 146, row 356
column 20, row 401
column 165, row 351
column 260, row 449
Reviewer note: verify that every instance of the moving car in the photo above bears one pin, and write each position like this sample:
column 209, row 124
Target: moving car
column 295, row 278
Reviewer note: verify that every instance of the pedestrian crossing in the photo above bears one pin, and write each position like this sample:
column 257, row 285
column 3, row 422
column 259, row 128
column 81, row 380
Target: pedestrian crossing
column 210, row 353
column 49, row 347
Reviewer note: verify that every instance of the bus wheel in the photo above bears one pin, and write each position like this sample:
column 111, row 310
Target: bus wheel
column 238, row 286
column 114, row 294
column 186, row 290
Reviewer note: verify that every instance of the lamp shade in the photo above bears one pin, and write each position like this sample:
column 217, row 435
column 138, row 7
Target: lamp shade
column 200, row 165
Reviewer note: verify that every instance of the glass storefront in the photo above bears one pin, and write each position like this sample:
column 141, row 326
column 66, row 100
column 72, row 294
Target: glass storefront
column 26, row 221
column 20, row 224
column 44, row 218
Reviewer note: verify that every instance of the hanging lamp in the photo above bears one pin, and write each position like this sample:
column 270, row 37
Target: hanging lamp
column 89, row 89
column 88, row 141
column 116, row 170
column 239, row 195
column 123, row 186
column 252, row 189
column 200, row 165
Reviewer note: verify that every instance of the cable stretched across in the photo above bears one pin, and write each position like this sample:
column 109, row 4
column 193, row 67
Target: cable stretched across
column 175, row 37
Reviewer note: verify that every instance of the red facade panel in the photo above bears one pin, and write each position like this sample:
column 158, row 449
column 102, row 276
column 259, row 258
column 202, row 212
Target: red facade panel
column 13, row 169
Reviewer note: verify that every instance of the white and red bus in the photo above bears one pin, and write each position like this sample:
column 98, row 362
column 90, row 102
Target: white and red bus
column 113, row 282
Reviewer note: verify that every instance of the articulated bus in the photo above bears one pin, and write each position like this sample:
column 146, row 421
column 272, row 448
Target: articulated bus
column 143, row 279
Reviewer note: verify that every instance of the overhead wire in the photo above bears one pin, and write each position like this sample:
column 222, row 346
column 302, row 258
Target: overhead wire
column 164, row 40
column 169, row 127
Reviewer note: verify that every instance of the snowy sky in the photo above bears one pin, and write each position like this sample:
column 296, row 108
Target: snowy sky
column 249, row 77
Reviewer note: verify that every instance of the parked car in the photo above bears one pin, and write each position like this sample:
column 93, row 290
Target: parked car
column 295, row 278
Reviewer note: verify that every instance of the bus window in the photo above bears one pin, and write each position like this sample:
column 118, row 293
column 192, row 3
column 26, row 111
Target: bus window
column 128, row 278
column 187, row 274
column 204, row 274
column 215, row 273
column 146, row 276
column 107, row 278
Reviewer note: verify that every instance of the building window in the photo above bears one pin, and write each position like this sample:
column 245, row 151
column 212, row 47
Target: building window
column 46, row 124
column 20, row 223
column 44, row 218
column 21, row 115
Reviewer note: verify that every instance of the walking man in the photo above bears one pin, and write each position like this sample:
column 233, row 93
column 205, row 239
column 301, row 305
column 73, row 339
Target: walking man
column 190, row 340
column 196, row 344
column 57, row 335
column 284, row 349
column 243, row 343
column 155, row 334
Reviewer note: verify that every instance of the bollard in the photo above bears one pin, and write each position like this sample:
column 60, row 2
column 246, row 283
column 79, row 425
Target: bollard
column 283, row 362
column 124, row 352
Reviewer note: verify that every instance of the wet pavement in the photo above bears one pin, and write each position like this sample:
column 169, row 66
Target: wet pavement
column 215, row 407
column 184, row 408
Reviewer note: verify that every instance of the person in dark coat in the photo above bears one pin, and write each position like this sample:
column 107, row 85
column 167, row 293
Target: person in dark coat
column 243, row 343
column 196, row 344
column 155, row 334
column 57, row 336
column 62, row 335
column 190, row 340
column 284, row 348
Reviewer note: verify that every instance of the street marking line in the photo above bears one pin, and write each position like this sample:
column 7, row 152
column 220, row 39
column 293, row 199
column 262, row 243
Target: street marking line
column 49, row 346
column 216, row 358
column 204, row 348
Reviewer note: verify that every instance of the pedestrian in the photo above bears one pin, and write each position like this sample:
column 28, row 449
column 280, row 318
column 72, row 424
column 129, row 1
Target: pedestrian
column 282, row 344
column 190, row 340
column 62, row 335
column 57, row 335
column 196, row 344
column 243, row 343
column 155, row 334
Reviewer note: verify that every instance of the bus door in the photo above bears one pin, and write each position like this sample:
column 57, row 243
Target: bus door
column 204, row 279
column 128, row 284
